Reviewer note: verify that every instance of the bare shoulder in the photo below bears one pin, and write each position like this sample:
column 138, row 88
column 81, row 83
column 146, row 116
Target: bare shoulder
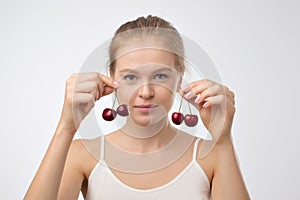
column 79, row 164
column 207, row 162
column 85, row 152
column 206, row 159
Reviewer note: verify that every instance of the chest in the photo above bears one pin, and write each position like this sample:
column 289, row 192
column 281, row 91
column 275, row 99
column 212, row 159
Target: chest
column 156, row 178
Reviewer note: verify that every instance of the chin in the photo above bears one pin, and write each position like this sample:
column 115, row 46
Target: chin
column 146, row 120
column 141, row 120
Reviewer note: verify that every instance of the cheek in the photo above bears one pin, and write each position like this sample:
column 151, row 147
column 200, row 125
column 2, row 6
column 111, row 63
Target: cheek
column 125, row 94
column 166, row 97
column 172, row 85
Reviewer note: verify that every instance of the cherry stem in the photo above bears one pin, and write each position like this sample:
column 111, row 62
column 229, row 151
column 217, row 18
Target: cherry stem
column 115, row 99
column 180, row 103
column 117, row 96
column 189, row 107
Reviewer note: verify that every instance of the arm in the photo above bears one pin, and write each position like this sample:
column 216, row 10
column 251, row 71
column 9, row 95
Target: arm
column 216, row 105
column 227, row 182
column 54, row 179
column 74, row 171
column 46, row 182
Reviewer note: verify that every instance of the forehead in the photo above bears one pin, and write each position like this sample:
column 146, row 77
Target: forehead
column 143, row 57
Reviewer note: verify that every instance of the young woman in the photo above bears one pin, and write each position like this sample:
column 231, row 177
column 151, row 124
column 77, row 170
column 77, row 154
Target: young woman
column 145, row 80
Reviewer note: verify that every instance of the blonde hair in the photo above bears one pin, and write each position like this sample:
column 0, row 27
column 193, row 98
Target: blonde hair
column 142, row 28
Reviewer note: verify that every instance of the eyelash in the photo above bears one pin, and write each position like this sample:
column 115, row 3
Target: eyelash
column 164, row 75
column 129, row 77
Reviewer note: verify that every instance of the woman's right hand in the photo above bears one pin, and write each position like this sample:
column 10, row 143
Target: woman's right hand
column 81, row 93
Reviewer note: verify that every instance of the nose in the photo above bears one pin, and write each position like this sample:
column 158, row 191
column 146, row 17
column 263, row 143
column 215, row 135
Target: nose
column 146, row 91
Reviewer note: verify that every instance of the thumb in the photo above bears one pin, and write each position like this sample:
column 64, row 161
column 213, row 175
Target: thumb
column 108, row 90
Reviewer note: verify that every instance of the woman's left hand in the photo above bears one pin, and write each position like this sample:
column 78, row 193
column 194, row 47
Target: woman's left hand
column 215, row 103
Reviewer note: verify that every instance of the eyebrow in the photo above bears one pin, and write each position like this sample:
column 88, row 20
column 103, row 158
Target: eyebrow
column 134, row 71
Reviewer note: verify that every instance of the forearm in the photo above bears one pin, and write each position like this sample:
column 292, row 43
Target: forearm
column 228, row 182
column 45, row 184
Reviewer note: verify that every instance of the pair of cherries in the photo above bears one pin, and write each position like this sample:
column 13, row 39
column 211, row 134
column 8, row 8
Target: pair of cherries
column 189, row 119
column 110, row 114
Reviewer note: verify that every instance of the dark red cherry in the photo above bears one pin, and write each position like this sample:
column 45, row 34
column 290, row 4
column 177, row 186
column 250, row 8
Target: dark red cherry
column 177, row 118
column 109, row 114
column 123, row 110
column 190, row 120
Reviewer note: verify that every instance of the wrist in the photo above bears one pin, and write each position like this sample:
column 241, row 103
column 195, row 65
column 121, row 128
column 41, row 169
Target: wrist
column 224, row 143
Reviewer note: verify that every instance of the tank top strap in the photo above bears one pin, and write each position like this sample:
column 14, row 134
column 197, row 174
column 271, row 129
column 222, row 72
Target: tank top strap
column 102, row 148
column 195, row 148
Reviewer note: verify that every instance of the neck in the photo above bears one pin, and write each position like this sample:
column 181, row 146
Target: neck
column 143, row 139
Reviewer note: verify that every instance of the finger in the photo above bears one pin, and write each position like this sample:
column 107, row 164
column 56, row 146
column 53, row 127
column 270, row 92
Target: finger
column 106, row 85
column 86, row 87
column 85, row 102
column 230, row 93
column 86, row 76
column 214, row 90
column 94, row 76
column 218, row 99
column 214, row 100
column 194, row 88
column 108, row 90
column 83, row 98
column 205, row 83
column 109, row 81
column 230, row 98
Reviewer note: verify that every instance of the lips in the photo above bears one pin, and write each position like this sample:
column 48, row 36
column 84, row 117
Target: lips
column 145, row 108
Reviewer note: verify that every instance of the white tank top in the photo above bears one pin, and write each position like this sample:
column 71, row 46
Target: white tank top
column 191, row 184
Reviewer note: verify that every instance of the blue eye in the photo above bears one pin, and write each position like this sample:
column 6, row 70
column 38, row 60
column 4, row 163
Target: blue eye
column 130, row 77
column 160, row 76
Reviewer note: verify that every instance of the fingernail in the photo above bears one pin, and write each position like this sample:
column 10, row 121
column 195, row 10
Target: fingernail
column 197, row 99
column 185, row 88
column 117, row 84
column 208, row 99
column 205, row 104
column 188, row 95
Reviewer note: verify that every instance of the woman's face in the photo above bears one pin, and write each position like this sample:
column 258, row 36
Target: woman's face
column 148, row 82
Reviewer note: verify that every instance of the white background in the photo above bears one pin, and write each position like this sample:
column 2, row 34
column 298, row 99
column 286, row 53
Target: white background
column 254, row 45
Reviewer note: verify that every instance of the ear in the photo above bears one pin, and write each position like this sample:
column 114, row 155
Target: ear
column 111, row 74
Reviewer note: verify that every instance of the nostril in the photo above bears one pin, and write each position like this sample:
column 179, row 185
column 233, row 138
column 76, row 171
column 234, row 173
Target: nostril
column 146, row 96
column 146, row 91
